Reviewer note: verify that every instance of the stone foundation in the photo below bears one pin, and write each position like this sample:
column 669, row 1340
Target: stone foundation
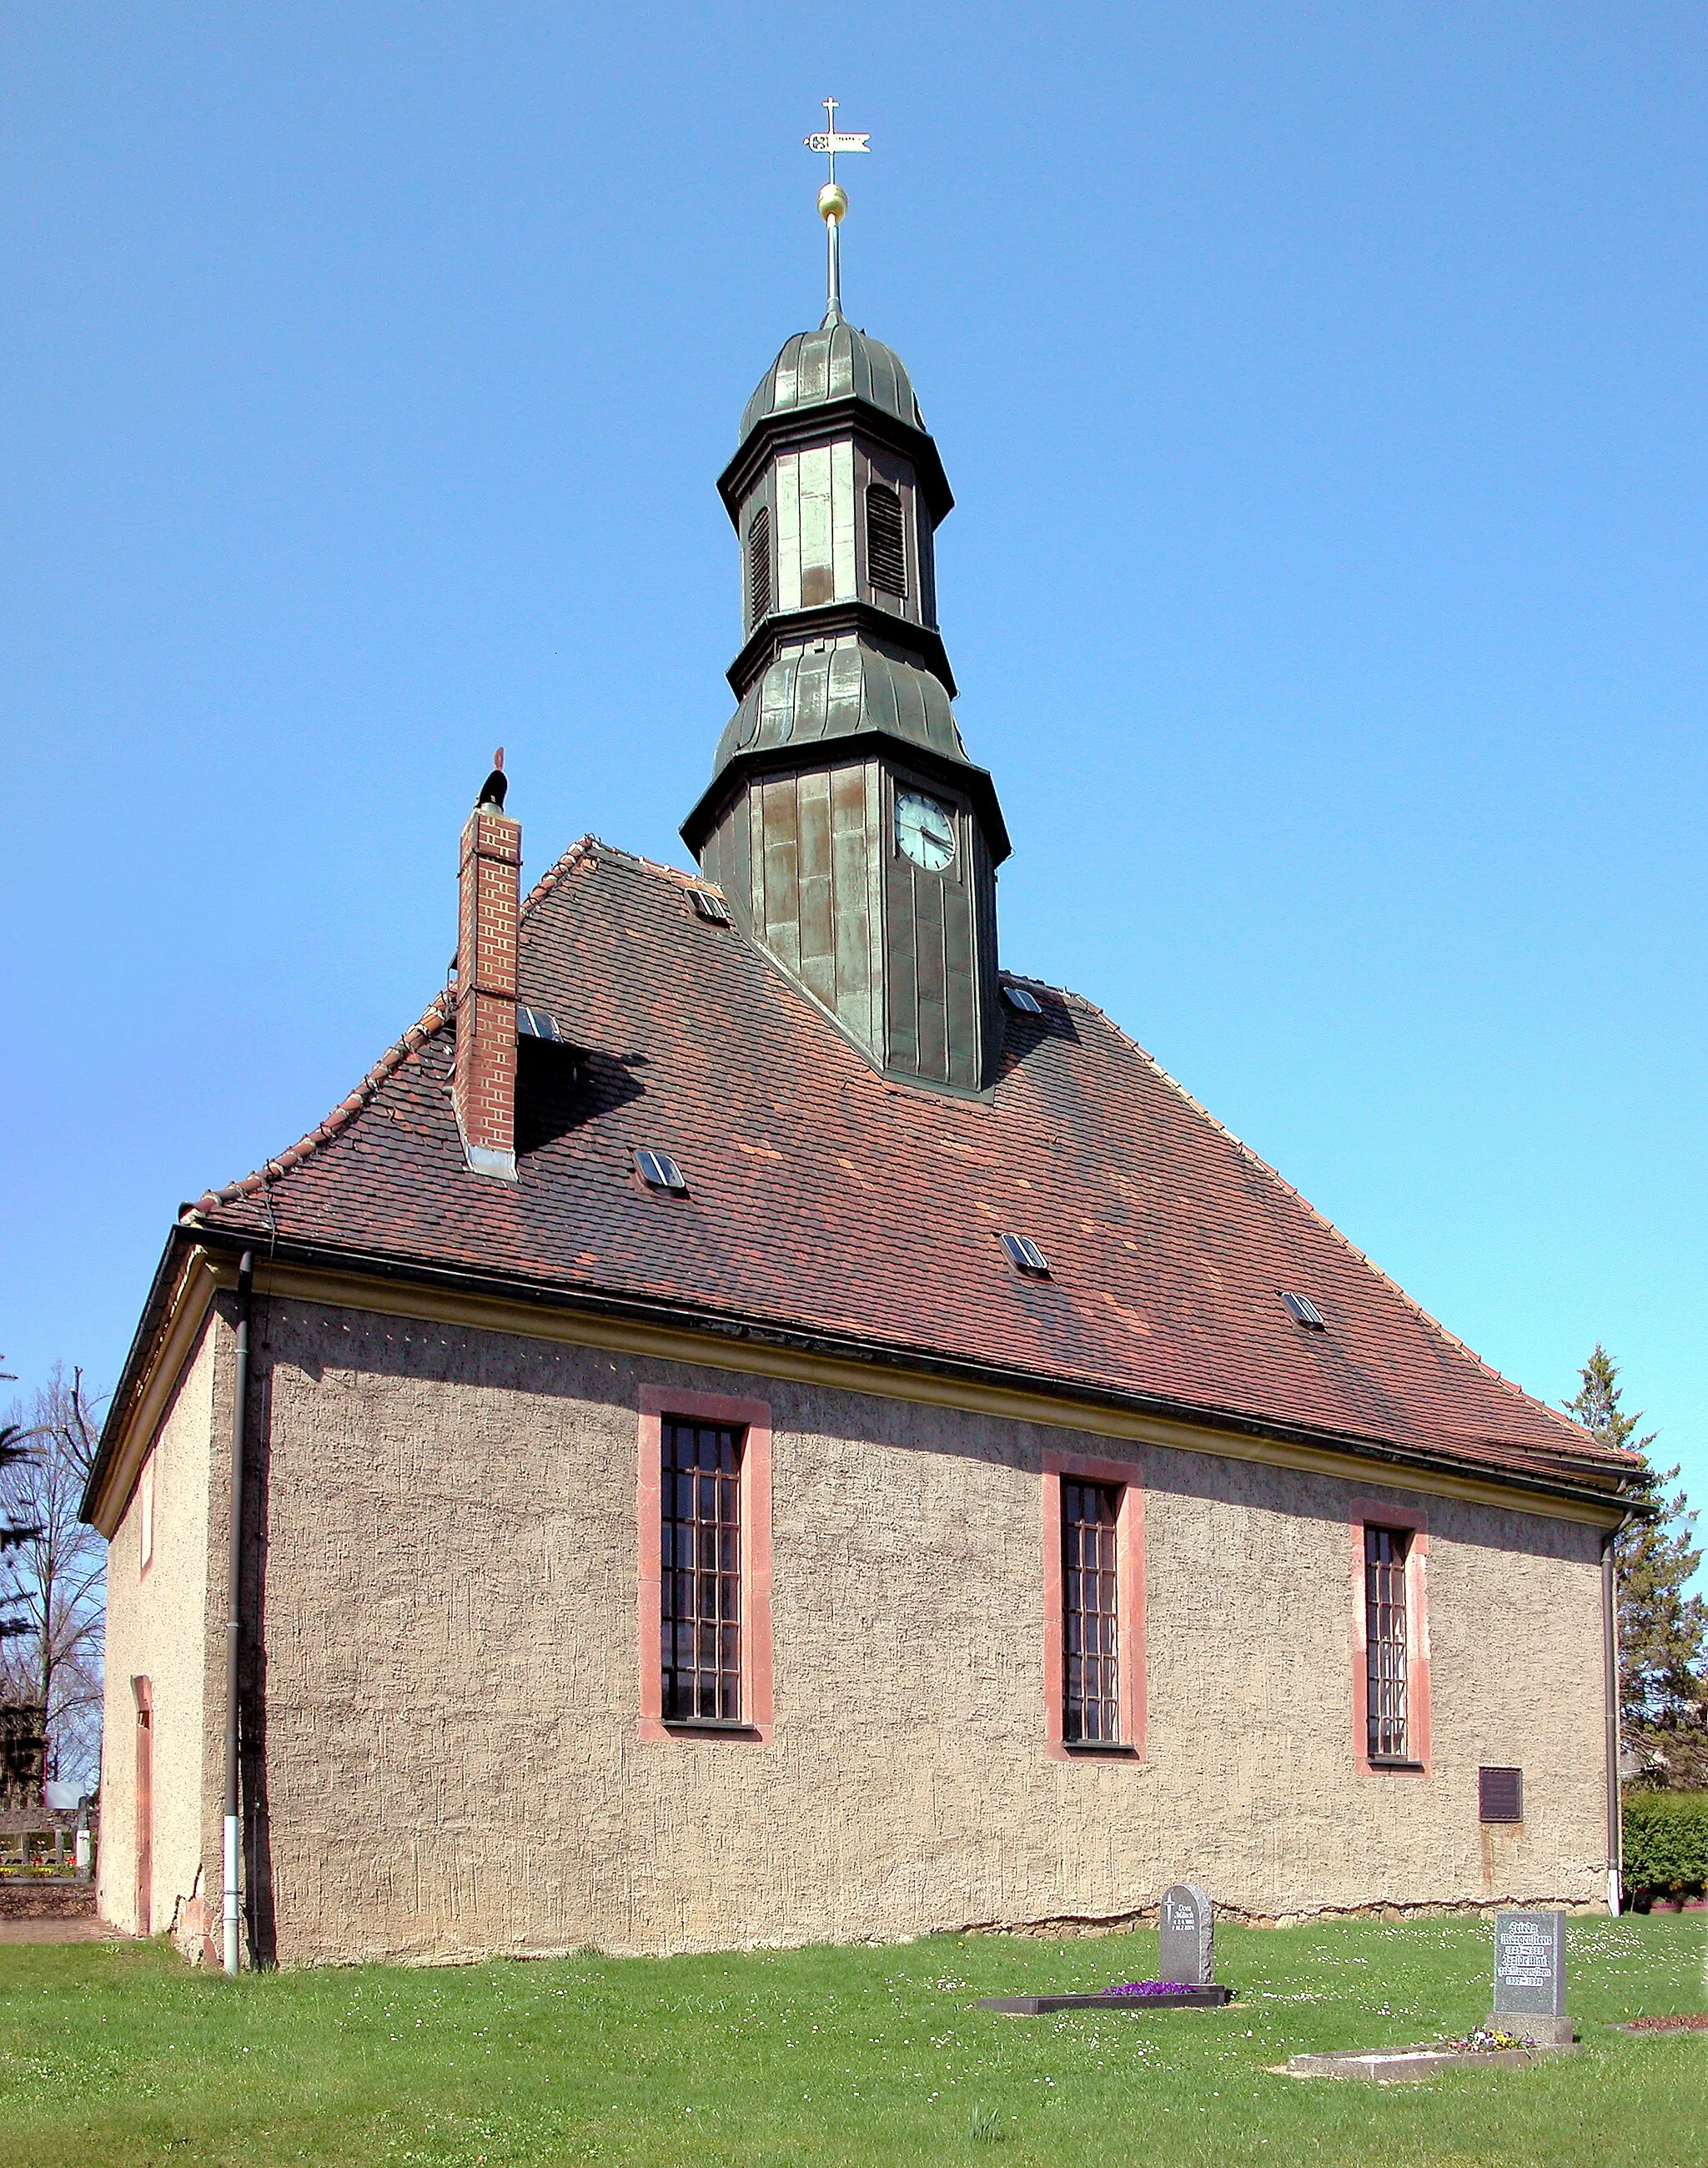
column 1127, row 1923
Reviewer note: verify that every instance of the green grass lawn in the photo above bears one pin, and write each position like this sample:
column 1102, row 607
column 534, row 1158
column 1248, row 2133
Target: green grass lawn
column 113, row 2053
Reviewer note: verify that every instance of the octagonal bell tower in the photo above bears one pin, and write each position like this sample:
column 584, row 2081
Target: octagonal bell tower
column 854, row 839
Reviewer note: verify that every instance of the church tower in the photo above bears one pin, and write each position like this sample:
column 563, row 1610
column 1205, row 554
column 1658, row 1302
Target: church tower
column 854, row 839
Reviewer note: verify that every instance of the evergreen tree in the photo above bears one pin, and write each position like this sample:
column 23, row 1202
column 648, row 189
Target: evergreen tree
column 1662, row 1632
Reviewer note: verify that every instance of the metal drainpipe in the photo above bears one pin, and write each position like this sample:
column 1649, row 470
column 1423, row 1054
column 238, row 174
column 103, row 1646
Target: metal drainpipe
column 245, row 1274
column 1609, row 1622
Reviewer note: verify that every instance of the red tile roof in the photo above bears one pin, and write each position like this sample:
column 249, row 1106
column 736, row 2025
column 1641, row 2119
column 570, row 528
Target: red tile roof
column 824, row 1201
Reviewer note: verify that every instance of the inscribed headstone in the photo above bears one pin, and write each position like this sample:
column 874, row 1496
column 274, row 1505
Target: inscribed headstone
column 1530, row 1974
column 1185, row 1936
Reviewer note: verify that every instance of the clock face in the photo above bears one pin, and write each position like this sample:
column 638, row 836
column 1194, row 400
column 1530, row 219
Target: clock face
column 925, row 830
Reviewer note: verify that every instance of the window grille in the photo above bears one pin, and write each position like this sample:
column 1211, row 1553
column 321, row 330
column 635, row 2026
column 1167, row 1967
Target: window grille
column 1385, row 1641
column 1090, row 1622
column 886, row 556
column 700, row 1572
column 759, row 564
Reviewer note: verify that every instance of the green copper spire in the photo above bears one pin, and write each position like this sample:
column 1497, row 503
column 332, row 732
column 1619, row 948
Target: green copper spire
column 853, row 837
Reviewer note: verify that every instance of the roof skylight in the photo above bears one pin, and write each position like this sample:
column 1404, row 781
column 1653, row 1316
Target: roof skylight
column 659, row 1171
column 1025, row 1256
column 1304, row 1309
column 1028, row 1004
column 537, row 1023
column 711, row 908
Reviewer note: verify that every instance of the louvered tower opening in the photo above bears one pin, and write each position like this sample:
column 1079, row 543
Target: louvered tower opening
column 886, row 559
column 759, row 564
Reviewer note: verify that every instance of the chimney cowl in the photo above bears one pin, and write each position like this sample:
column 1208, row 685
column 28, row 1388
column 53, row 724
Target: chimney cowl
column 493, row 790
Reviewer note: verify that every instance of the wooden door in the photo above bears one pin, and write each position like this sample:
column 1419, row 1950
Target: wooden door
column 145, row 1806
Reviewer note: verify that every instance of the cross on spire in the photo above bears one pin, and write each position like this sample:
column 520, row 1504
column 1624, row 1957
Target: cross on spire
column 830, row 142
column 832, row 204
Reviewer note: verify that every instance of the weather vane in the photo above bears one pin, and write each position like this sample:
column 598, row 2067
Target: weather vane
column 832, row 203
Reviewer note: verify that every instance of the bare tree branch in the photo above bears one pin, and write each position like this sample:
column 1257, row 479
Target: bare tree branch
column 53, row 1578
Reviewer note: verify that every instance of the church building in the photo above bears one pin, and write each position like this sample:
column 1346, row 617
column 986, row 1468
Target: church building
column 757, row 1422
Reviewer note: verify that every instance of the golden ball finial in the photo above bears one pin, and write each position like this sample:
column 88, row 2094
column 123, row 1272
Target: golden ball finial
column 832, row 203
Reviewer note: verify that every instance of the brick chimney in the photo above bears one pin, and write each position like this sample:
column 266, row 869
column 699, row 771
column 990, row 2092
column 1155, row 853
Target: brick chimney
column 488, row 903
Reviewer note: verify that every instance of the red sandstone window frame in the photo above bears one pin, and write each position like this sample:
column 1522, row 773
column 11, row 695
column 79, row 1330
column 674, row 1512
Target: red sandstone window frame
column 1377, row 1513
column 1120, row 1476
column 753, row 1417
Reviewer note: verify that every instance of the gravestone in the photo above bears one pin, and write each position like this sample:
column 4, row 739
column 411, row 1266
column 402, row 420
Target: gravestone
column 1529, row 1976
column 1185, row 1936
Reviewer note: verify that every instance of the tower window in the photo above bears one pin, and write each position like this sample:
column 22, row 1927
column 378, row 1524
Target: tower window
column 759, row 564
column 886, row 556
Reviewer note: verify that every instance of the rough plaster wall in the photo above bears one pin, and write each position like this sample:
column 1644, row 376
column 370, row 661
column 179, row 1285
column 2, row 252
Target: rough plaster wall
column 453, row 1765
column 158, row 1627
column 1249, row 1601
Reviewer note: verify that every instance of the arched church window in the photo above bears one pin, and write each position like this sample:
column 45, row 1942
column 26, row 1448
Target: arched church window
column 759, row 564
column 886, row 558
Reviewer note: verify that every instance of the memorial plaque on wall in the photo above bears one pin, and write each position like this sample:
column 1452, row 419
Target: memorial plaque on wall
column 1185, row 1935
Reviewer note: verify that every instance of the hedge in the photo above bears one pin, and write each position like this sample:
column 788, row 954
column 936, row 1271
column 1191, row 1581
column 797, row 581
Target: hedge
column 1666, row 1843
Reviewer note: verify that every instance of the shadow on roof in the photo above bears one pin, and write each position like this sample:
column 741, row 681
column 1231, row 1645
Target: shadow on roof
column 560, row 1088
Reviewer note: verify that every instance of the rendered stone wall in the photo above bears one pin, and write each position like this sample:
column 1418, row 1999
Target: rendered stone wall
column 160, row 1626
column 449, row 1647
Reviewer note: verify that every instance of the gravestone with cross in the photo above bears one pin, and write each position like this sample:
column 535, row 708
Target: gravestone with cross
column 1185, row 1936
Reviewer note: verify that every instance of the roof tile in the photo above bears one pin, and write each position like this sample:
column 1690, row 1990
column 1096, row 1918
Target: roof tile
column 826, row 1199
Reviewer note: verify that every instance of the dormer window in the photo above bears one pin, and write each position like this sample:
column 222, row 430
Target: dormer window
column 759, row 564
column 886, row 555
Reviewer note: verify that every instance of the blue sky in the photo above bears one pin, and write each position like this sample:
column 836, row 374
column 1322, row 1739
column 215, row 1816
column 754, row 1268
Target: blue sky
column 1321, row 390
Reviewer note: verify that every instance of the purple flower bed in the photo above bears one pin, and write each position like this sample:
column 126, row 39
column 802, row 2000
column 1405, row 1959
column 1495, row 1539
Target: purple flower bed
column 1150, row 1987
